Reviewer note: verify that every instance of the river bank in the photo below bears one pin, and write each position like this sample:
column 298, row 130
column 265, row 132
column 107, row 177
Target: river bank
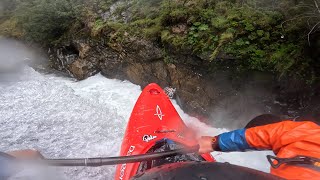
column 224, row 93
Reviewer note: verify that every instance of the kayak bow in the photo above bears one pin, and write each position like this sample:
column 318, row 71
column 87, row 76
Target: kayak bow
column 153, row 120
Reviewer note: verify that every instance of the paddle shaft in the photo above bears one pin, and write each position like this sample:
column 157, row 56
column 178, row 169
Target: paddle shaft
column 94, row 162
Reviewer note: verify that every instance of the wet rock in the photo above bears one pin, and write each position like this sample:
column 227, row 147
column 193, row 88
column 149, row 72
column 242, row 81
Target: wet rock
column 142, row 62
column 111, row 64
column 79, row 69
column 228, row 98
column 190, row 89
column 159, row 70
column 134, row 72
column 76, row 58
column 145, row 73
column 61, row 57
column 83, row 50
column 137, row 50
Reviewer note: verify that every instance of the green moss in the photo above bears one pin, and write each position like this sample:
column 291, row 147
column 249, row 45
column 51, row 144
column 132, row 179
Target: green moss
column 98, row 26
column 152, row 32
column 220, row 22
column 10, row 28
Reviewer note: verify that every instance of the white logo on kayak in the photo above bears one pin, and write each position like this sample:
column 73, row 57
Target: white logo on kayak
column 124, row 166
column 147, row 138
column 159, row 113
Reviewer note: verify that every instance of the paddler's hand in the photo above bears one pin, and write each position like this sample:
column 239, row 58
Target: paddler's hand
column 208, row 144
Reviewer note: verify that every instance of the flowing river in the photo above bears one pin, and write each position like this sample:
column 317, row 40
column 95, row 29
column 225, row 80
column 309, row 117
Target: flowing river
column 63, row 118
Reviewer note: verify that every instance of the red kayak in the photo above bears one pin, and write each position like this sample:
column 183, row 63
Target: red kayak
column 155, row 126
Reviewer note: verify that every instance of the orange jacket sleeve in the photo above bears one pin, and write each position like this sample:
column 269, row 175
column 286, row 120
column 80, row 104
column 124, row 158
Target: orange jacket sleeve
column 272, row 137
column 277, row 135
column 287, row 139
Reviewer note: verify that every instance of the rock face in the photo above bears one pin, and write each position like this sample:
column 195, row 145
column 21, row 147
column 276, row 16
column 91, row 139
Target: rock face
column 227, row 98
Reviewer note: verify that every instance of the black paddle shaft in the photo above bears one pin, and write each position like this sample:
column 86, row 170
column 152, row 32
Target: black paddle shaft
column 94, row 162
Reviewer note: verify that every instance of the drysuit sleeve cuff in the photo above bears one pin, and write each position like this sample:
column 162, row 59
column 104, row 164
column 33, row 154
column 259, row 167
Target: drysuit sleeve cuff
column 233, row 141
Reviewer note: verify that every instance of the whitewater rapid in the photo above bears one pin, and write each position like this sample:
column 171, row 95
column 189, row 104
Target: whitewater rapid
column 64, row 118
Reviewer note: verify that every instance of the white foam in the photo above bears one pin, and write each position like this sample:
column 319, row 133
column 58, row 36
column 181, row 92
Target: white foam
column 64, row 118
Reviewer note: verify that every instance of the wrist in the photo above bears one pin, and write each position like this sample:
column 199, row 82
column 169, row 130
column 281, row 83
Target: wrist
column 215, row 143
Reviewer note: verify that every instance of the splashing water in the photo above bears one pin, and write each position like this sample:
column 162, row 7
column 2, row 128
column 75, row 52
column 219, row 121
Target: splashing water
column 63, row 119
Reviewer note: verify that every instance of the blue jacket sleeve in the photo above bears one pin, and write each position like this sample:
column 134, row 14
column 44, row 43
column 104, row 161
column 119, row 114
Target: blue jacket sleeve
column 234, row 141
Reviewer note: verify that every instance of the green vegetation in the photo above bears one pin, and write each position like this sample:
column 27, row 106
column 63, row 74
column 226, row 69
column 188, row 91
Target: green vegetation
column 265, row 35
column 39, row 20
